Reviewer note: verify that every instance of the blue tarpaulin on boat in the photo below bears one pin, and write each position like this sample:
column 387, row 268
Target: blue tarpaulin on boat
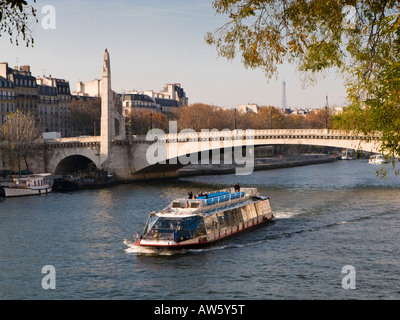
column 214, row 195
column 221, row 197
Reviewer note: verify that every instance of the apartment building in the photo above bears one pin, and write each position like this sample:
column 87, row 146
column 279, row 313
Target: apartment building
column 7, row 98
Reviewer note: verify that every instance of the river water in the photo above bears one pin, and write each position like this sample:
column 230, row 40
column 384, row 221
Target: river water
column 327, row 216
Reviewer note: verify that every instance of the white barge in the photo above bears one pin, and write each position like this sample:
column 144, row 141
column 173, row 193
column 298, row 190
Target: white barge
column 200, row 222
column 378, row 159
column 29, row 186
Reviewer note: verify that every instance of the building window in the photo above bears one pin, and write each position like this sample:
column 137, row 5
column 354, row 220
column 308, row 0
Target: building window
column 116, row 127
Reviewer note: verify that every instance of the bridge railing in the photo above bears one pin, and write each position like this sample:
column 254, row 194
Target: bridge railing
column 233, row 135
column 257, row 134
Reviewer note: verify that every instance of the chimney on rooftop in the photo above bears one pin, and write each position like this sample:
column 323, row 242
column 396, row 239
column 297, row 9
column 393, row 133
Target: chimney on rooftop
column 25, row 68
column 3, row 69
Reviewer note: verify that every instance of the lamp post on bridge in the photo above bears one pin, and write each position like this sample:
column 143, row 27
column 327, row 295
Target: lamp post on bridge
column 235, row 118
column 270, row 120
column 326, row 112
column 326, row 117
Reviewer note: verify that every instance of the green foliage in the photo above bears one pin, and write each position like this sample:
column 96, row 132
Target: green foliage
column 360, row 39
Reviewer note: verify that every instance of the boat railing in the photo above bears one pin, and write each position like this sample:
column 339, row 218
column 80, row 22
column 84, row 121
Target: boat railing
column 250, row 191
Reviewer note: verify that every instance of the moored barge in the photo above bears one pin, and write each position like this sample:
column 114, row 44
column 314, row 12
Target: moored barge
column 38, row 184
column 200, row 222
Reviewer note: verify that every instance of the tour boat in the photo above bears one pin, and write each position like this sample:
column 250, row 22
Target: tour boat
column 378, row 159
column 205, row 220
column 29, row 186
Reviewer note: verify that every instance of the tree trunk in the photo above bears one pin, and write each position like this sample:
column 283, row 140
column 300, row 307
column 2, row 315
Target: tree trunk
column 26, row 163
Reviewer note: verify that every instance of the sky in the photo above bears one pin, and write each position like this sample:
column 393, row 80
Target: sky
column 153, row 42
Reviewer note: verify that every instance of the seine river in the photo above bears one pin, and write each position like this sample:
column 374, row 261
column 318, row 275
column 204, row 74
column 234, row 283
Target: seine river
column 328, row 216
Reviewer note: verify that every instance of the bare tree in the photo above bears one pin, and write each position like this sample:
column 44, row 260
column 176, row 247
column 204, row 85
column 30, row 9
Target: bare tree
column 18, row 134
column 141, row 121
column 85, row 114
column 16, row 18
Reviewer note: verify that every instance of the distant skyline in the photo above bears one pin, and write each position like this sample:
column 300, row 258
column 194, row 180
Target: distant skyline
column 153, row 42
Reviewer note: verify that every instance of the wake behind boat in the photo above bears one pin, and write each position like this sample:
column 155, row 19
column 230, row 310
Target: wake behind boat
column 200, row 222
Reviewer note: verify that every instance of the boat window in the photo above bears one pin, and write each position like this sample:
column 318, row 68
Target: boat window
column 239, row 218
column 194, row 204
column 262, row 207
column 176, row 204
column 253, row 211
column 176, row 229
column 208, row 224
column 200, row 230
column 150, row 223
column 233, row 217
column 259, row 208
column 245, row 214
column 220, row 217
column 227, row 221
column 211, row 224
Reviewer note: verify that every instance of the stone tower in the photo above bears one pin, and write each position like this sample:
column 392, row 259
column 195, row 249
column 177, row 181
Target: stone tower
column 112, row 123
column 284, row 103
column 326, row 102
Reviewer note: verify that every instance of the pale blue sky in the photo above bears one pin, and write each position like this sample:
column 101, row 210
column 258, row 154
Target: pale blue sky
column 152, row 42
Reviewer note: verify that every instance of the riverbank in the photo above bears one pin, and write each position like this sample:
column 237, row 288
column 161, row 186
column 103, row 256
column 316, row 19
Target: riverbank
column 276, row 162
column 269, row 163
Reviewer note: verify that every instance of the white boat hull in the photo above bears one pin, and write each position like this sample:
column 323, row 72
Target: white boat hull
column 20, row 192
column 378, row 160
column 206, row 240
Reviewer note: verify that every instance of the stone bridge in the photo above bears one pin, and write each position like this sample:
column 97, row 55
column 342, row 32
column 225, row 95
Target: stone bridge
column 160, row 155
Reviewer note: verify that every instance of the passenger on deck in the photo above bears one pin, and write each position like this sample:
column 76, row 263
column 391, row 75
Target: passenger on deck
column 237, row 187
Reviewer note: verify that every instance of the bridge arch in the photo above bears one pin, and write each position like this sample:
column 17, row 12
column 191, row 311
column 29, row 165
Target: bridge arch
column 63, row 156
column 175, row 146
column 128, row 158
column 73, row 163
column 315, row 137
